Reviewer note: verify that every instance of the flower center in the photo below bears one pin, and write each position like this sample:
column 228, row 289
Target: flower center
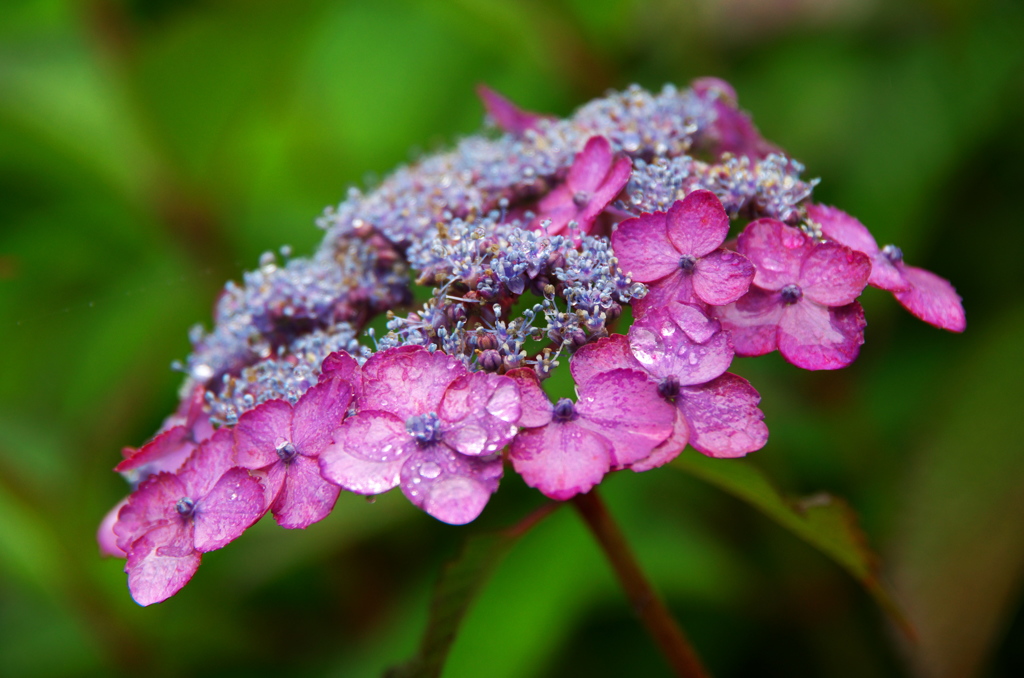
column 893, row 254
column 425, row 428
column 669, row 388
column 687, row 262
column 791, row 294
column 565, row 410
column 285, row 450
column 185, row 507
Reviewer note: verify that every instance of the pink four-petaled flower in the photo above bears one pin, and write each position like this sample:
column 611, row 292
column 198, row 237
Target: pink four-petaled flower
column 926, row 295
column 566, row 448
column 679, row 254
column 716, row 412
column 172, row 519
column 803, row 300
column 427, row 423
column 594, row 180
column 284, row 442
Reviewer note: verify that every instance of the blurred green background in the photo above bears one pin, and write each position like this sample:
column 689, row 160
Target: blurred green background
column 150, row 150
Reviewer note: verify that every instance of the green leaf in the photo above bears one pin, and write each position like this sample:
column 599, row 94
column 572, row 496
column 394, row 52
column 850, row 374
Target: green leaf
column 825, row 522
column 460, row 581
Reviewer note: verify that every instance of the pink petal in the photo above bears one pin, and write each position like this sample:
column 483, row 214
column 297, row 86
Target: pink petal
column 506, row 114
column 692, row 319
column 722, row 277
column 305, row 496
column 231, row 507
column 886, row 276
column 105, row 535
column 561, row 459
column 155, row 576
column 611, row 186
column 208, row 463
column 932, row 299
column 844, row 229
column 590, row 166
column 642, row 248
column 408, row 380
column 834, row 275
column 480, row 412
column 259, row 431
column 558, row 208
column 603, row 355
column 166, row 452
column 341, row 365
column 698, row 224
column 149, row 507
column 674, row 289
column 368, row 452
column 664, row 350
column 752, row 321
column 449, row 486
column 624, row 407
column 775, row 250
column 318, row 412
column 668, row 450
column 724, row 418
column 533, row 402
column 815, row 337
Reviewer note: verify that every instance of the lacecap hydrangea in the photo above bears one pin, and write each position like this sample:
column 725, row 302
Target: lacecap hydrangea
column 532, row 239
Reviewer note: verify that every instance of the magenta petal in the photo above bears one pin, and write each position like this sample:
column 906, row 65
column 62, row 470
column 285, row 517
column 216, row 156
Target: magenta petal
column 665, row 350
column 449, row 486
column 844, row 229
column 932, row 299
column 506, row 114
column 722, row 277
column 408, row 380
column 886, row 276
column 534, row 404
column 834, row 275
column 611, row 186
column 166, row 452
column 208, row 463
column 694, row 321
column 775, row 250
column 234, row 504
column 305, row 497
column 814, row 337
column 752, row 322
column 590, row 166
column 368, row 452
column 698, row 224
column 642, row 248
column 480, row 412
column 561, row 459
column 151, row 505
column 674, row 289
column 597, row 357
column 668, row 450
column 724, row 418
column 319, row 411
column 154, row 575
column 341, row 365
column 258, row 432
column 624, row 407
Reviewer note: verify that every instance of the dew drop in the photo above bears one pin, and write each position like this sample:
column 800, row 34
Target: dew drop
column 429, row 470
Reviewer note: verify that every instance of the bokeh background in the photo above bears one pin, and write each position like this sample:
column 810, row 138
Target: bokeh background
column 150, row 150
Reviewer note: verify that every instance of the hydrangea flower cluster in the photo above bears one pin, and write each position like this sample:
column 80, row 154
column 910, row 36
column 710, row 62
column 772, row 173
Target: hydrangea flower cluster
column 533, row 240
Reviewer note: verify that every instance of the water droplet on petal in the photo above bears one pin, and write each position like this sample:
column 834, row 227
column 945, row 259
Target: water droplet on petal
column 429, row 470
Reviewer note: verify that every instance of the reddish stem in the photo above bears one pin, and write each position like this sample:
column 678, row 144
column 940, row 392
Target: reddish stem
column 644, row 599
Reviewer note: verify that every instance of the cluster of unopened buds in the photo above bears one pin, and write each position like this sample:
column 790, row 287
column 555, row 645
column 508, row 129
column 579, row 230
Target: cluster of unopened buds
column 533, row 239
